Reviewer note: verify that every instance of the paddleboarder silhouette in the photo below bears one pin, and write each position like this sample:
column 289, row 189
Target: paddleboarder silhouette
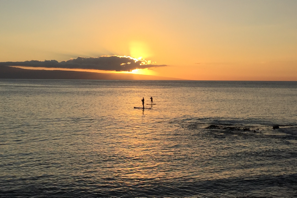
column 142, row 103
column 152, row 100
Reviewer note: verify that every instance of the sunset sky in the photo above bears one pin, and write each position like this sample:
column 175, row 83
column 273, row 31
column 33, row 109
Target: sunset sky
column 184, row 39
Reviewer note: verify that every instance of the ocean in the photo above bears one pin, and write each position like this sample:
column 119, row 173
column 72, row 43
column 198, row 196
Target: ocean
column 83, row 138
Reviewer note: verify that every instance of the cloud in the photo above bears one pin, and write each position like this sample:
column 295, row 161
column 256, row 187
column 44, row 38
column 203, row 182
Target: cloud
column 7, row 72
column 109, row 63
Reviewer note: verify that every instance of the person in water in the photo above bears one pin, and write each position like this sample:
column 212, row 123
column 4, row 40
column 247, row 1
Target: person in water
column 152, row 100
column 142, row 103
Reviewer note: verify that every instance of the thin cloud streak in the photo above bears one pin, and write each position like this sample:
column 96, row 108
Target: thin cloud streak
column 108, row 63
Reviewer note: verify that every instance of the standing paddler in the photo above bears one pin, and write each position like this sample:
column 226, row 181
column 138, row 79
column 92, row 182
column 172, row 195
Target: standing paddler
column 142, row 103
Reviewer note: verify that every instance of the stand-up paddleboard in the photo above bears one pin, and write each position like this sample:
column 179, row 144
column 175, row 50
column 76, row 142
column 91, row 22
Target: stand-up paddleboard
column 151, row 104
column 142, row 108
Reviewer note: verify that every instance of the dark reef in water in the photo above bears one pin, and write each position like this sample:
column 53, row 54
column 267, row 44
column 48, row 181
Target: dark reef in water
column 238, row 128
column 231, row 128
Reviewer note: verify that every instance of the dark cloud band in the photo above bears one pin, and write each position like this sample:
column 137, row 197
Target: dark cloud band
column 110, row 63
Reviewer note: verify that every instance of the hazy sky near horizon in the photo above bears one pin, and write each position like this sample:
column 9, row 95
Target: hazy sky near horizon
column 196, row 39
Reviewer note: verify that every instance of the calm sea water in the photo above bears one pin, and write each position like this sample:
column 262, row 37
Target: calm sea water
column 83, row 138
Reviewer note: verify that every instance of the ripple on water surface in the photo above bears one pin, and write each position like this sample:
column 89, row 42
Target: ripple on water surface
column 72, row 139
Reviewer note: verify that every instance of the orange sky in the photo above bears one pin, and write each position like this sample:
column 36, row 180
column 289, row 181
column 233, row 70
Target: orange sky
column 196, row 39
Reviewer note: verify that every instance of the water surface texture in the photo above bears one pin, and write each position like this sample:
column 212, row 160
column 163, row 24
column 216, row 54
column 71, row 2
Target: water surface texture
column 83, row 138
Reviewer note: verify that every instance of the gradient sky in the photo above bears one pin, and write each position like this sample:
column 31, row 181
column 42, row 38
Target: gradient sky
column 196, row 39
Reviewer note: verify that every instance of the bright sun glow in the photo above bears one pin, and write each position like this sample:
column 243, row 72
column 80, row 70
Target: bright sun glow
column 142, row 61
column 139, row 49
column 134, row 71
column 143, row 71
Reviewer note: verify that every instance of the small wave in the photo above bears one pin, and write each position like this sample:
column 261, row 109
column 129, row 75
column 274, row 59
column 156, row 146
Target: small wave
column 257, row 186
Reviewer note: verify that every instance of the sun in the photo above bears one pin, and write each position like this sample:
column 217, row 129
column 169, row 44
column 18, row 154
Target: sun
column 135, row 71
column 139, row 50
column 143, row 71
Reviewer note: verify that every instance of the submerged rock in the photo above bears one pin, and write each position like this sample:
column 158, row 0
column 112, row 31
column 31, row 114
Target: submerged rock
column 213, row 127
column 233, row 128
column 192, row 126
